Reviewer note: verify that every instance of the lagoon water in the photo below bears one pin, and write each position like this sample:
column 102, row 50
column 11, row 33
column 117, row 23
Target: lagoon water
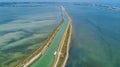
column 24, row 29
column 95, row 38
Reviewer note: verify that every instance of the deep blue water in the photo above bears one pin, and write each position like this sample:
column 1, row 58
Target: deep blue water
column 96, row 37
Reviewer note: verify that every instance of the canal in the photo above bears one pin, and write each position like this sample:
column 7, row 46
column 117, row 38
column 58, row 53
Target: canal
column 47, row 59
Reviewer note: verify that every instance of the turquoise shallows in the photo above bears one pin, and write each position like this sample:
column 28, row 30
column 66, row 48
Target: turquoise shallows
column 47, row 59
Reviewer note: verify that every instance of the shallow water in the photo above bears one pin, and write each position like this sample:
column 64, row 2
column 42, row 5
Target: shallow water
column 24, row 29
column 96, row 37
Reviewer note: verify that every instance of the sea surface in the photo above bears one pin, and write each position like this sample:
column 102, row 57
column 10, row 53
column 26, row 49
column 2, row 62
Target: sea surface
column 23, row 29
column 95, row 36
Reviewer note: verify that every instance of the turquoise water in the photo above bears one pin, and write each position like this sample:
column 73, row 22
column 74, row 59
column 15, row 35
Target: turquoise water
column 96, row 37
column 24, row 29
column 47, row 59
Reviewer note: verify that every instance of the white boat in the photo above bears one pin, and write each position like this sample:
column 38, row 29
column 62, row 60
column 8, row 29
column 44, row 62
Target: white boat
column 55, row 53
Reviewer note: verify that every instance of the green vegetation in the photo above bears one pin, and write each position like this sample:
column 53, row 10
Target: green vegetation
column 64, row 49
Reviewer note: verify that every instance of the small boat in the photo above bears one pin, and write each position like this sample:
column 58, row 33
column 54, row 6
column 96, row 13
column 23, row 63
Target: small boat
column 55, row 53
